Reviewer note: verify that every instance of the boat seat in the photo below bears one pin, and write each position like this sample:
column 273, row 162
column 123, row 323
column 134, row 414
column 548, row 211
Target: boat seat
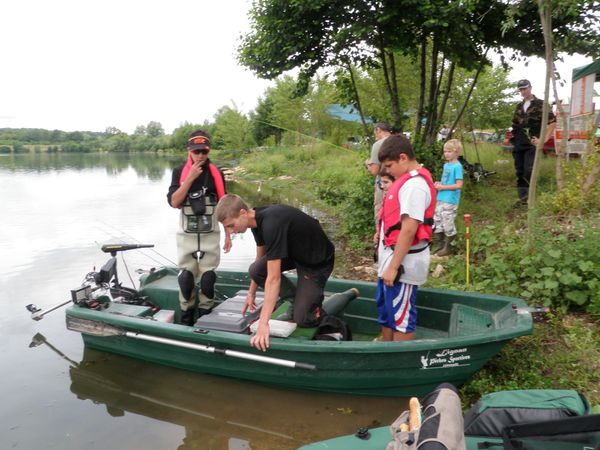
column 163, row 291
column 466, row 320
column 126, row 309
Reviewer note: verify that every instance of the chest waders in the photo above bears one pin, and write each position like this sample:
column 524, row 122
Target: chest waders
column 198, row 250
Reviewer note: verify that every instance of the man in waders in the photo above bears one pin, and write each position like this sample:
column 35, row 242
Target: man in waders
column 286, row 238
column 195, row 189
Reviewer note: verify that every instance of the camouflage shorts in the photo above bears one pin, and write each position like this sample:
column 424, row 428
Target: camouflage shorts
column 444, row 217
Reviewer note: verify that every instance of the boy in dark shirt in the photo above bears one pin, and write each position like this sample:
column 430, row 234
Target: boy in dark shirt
column 286, row 239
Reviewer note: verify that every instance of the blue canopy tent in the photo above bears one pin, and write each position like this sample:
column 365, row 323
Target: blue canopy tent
column 348, row 113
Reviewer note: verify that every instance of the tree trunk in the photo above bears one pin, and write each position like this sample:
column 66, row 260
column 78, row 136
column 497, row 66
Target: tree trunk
column 449, row 80
column 357, row 101
column 423, row 76
column 561, row 148
column 432, row 91
column 434, row 128
column 591, row 179
column 468, row 97
column 393, row 96
column 545, row 11
column 394, row 89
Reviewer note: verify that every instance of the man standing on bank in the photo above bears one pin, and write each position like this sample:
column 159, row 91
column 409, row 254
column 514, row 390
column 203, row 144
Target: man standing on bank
column 195, row 189
column 286, row 239
column 526, row 126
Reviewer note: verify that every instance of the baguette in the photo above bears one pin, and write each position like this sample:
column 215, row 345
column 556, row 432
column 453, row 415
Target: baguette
column 414, row 415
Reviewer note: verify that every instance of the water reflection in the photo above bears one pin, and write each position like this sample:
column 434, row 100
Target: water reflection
column 146, row 165
column 219, row 413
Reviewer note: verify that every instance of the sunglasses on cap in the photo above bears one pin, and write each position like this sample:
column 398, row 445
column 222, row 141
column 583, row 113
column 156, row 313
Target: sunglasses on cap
column 200, row 152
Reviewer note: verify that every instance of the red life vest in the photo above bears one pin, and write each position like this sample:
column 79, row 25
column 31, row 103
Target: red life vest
column 214, row 172
column 390, row 209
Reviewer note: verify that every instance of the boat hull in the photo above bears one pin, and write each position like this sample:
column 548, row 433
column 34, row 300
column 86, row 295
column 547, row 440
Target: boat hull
column 444, row 351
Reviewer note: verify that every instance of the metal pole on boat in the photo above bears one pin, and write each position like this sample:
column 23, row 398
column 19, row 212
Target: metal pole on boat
column 102, row 329
column 38, row 314
column 232, row 353
column 467, row 217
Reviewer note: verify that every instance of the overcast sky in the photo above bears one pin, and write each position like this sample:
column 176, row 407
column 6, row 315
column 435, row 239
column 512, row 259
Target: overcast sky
column 89, row 64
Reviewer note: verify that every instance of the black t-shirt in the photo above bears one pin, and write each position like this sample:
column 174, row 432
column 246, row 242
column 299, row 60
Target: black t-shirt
column 287, row 232
column 205, row 179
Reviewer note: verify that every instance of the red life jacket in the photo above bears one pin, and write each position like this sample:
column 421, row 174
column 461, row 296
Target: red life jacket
column 214, row 172
column 390, row 210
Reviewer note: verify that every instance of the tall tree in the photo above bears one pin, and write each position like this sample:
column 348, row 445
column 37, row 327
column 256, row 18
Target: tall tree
column 231, row 130
column 154, row 129
column 309, row 35
column 261, row 121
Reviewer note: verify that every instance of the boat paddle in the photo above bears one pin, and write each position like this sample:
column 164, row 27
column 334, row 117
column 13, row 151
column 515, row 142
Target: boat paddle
column 102, row 329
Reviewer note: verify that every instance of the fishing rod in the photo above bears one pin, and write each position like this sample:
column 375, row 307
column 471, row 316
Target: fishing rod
column 129, row 236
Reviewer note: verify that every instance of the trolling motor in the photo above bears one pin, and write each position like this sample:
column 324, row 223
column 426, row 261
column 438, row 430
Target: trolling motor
column 109, row 270
column 82, row 295
column 107, row 277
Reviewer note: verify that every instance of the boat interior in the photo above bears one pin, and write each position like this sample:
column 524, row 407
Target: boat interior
column 441, row 314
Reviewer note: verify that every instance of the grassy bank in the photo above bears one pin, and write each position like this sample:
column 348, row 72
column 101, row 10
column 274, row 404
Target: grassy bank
column 555, row 265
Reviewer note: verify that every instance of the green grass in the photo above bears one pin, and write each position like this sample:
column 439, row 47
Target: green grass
column 563, row 353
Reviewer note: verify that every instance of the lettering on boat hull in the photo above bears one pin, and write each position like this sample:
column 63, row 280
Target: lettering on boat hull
column 449, row 357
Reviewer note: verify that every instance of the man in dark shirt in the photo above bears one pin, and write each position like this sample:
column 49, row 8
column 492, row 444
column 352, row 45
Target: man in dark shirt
column 195, row 189
column 526, row 126
column 286, row 239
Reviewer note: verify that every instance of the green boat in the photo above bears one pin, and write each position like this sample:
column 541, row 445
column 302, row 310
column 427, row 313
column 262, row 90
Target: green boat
column 457, row 333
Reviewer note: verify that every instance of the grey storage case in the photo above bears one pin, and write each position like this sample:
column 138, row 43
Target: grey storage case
column 227, row 315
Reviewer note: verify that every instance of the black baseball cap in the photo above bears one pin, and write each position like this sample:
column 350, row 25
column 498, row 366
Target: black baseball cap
column 522, row 84
column 199, row 140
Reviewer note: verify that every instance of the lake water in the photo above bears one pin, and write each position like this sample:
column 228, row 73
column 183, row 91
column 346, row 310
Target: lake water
column 56, row 210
